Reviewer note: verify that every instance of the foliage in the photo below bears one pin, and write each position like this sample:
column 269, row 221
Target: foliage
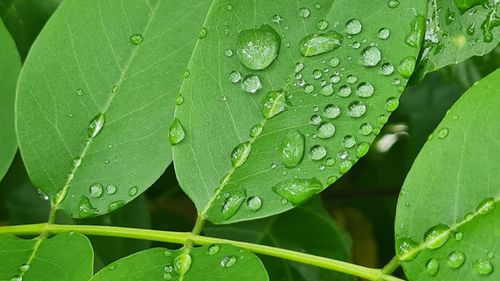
column 260, row 105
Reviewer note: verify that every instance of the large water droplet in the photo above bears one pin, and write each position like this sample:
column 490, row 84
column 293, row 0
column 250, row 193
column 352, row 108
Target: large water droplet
column 317, row 152
column 432, row 267
column 357, row 109
column 417, row 31
column 483, row 267
column 487, row 206
column 96, row 125
column 251, row 84
column 96, row 190
column 228, row 261
column 258, row 48
column 292, row 149
column 240, row 154
column 176, row 133
column 406, row 66
column 254, row 203
column 326, row 130
column 406, row 249
column 437, row 236
column 232, row 203
column 298, row 191
column 353, row 27
column 320, row 43
column 182, row 263
column 456, row 259
column 273, row 103
column 370, row 56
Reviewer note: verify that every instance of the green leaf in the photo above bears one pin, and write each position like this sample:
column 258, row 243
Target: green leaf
column 96, row 96
column 216, row 262
column 458, row 30
column 25, row 19
column 451, row 192
column 283, row 231
column 11, row 65
column 60, row 258
column 238, row 140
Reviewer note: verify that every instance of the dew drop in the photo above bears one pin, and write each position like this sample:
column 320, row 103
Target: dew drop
column 232, row 203
column 304, row 12
column 273, row 103
column 459, row 236
column 345, row 91
column 456, row 259
column 16, row 278
column 315, row 119
column 133, row 191
column 317, row 152
column 357, row 109
column 292, row 149
column 353, row 27
column 349, row 141
column 25, row 267
column 443, row 133
column 334, row 62
column 203, row 33
column 85, row 208
column 406, row 66
column 362, row 149
column 393, row 4
column 487, row 206
column 322, row 24
column 417, row 31
column 331, row 111
column 176, row 133
column 327, row 90
column 256, row 131
column 370, row 56
column 96, row 190
column 136, row 39
column 228, row 53
column 406, row 249
column 116, row 205
column 320, row 43
column 483, row 267
column 182, row 263
column 228, row 261
column 251, row 84
column 254, row 203
column 297, row 191
column 387, row 69
column 391, row 104
column 437, row 236
column 432, row 267
column 351, row 79
column 326, row 130
column 179, row 100
column 213, row 249
column 366, row 129
column 240, row 154
column 365, row 90
column 384, row 33
column 258, row 48
column 110, row 189
column 96, row 125
column 235, row 76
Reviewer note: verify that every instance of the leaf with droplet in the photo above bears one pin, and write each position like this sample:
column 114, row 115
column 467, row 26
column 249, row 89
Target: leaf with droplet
column 105, row 95
column 52, row 256
column 312, row 89
column 219, row 262
column 457, row 225
column 283, row 231
column 458, row 30
column 10, row 66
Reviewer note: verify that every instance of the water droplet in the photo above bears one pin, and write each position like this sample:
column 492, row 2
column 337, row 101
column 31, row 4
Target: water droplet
column 235, row 76
column 16, row 278
column 345, row 166
column 308, row 89
column 384, row 33
column 391, row 104
column 334, row 62
column 393, row 4
column 228, row 261
column 487, row 206
column 322, row 24
column 365, row 129
column 304, row 12
column 258, row 48
column 133, row 191
column 213, row 249
column 326, row 130
column 256, row 131
column 353, row 27
column 273, row 103
column 179, row 100
column 417, row 31
column 357, row 109
column 315, row 119
column 320, row 43
column 432, row 267
column 251, row 84
column 240, row 154
column 459, row 236
column 331, row 111
column 483, row 267
column 317, row 152
column 182, row 263
column 387, row 69
column 277, row 19
column 96, row 125
column 254, row 203
column 297, row 191
column 116, row 205
column 443, row 133
column 351, row 79
column 362, row 149
column 25, row 267
column 292, row 149
column 96, row 190
column 335, row 78
column 406, row 66
column 406, row 249
column 176, row 133
column 232, row 203
column 136, row 39
column 491, row 255
column 437, row 236
column 298, row 67
column 349, row 141
column 85, row 208
column 365, row 90
column 345, row 91
column 203, row 33
column 327, row 90
column 370, row 56
column 456, row 259
column 228, row 53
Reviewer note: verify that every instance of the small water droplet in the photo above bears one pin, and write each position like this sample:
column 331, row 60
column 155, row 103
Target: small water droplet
column 344, row 91
column 370, row 56
column 228, row 53
column 317, row 152
column 116, row 205
column 133, row 191
column 327, row 90
column 176, row 133
column 483, row 267
column 353, row 27
column 406, row 66
column 304, row 12
column 96, row 190
column 96, row 125
column 456, row 259
column 366, row 129
column 362, row 149
column 334, row 62
column 406, row 249
column 487, row 206
column 332, row 111
column 391, row 104
column 213, row 249
column 297, row 191
column 351, row 79
column 432, row 267
column 349, row 141
column 393, row 4
column 254, row 203
column 384, row 33
column 228, row 261
column 292, row 149
column 256, row 131
column 437, row 236
column 111, row 189
column 443, row 133
column 25, row 267
column 273, row 103
column 326, row 130
column 322, row 24
column 459, row 236
column 136, row 39
column 320, row 43
column 235, row 76
column 345, row 166
column 232, row 203
column 182, row 263
column 240, row 154
column 258, row 48
column 357, row 109
column 85, row 208
column 365, row 90
column 251, row 84
column 203, row 33
column 179, row 100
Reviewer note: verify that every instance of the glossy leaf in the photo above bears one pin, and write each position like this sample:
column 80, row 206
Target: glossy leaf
column 283, row 231
column 458, row 30
column 60, row 258
column 214, row 263
column 96, row 95
column 239, row 127
column 457, row 174
column 25, row 19
column 9, row 70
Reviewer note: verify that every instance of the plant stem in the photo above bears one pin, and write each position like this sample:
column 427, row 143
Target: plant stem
column 181, row 238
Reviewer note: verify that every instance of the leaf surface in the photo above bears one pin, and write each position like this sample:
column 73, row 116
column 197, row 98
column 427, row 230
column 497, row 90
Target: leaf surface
column 10, row 66
column 96, row 96
column 214, row 263
column 447, row 223
column 287, row 140
column 458, row 30
column 283, row 231
column 60, row 258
